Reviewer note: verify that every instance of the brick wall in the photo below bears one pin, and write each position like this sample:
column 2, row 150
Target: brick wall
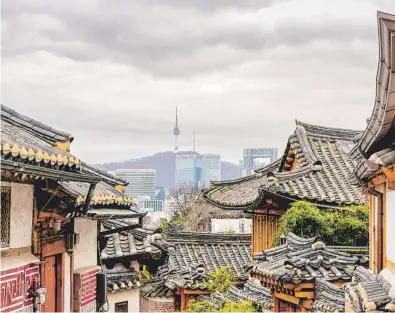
column 156, row 304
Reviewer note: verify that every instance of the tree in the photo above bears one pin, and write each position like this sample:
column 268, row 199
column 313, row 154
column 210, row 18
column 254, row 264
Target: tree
column 347, row 226
column 192, row 213
column 304, row 219
column 180, row 198
column 222, row 280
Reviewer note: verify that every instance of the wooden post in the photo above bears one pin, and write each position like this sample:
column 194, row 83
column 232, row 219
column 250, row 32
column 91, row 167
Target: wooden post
column 89, row 197
column 276, row 305
column 379, row 260
column 183, row 305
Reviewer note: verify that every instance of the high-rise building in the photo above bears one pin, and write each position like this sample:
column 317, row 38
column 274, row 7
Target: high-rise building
column 142, row 182
column 160, row 193
column 258, row 157
column 188, row 169
column 211, row 168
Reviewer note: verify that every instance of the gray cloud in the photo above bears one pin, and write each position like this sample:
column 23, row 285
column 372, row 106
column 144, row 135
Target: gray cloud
column 240, row 71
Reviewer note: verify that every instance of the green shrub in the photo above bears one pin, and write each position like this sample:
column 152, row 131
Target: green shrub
column 347, row 226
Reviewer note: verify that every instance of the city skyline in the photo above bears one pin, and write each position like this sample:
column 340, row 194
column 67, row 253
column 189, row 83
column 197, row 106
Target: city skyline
column 229, row 80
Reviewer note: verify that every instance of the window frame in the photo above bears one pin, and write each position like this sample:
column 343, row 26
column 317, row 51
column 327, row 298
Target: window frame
column 122, row 304
column 5, row 189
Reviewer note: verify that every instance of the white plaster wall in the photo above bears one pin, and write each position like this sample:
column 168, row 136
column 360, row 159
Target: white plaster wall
column 86, row 252
column 21, row 215
column 131, row 295
column 390, row 225
column 220, row 225
column 67, row 290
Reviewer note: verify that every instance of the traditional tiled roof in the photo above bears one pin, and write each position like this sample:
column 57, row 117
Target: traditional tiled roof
column 193, row 255
column 376, row 146
column 370, row 292
column 304, row 262
column 260, row 296
column 21, row 121
column 328, row 297
column 121, row 278
column 193, row 278
column 316, row 166
column 130, row 243
column 29, row 147
column 155, row 288
column 210, row 250
column 104, row 196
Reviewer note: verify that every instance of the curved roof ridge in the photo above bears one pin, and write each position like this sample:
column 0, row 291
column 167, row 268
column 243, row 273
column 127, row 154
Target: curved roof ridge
column 46, row 132
column 376, row 126
column 274, row 165
column 185, row 236
column 337, row 130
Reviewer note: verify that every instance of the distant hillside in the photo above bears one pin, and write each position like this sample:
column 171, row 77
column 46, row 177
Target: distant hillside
column 164, row 163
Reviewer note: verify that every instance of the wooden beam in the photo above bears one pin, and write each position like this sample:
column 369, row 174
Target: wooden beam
column 304, row 294
column 302, row 286
column 89, row 197
column 287, row 298
column 15, row 251
column 308, row 304
column 389, row 173
column 53, row 215
column 195, row 292
column 378, row 180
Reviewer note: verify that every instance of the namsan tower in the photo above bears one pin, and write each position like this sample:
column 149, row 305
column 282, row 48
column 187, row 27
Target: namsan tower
column 176, row 133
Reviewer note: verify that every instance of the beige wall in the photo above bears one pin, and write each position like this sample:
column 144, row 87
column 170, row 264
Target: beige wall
column 390, row 225
column 86, row 252
column 21, row 214
column 131, row 295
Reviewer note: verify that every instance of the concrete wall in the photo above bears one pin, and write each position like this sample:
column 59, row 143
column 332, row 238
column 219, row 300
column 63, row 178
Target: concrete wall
column 132, row 296
column 390, row 227
column 21, row 214
column 156, row 304
column 86, row 252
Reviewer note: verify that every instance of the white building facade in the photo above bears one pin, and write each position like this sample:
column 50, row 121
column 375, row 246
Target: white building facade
column 142, row 182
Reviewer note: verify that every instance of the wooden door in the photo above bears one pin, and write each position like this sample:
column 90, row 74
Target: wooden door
column 50, row 284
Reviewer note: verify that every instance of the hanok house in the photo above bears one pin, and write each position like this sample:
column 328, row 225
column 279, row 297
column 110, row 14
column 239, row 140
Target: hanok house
column 48, row 227
column 375, row 153
column 191, row 257
column 127, row 247
column 291, row 271
column 316, row 166
column 375, row 171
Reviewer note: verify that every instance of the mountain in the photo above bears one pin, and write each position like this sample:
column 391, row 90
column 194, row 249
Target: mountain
column 164, row 164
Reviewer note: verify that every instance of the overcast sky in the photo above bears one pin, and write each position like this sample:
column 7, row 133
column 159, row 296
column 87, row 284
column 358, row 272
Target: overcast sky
column 240, row 72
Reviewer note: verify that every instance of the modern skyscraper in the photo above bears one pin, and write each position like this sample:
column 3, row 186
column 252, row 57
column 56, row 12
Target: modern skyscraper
column 142, row 182
column 211, row 168
column 251, row 156
column 188, row 169
column 160, row 193
column 176, row 133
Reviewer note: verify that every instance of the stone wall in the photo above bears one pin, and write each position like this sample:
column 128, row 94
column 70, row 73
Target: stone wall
column 156, row 304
